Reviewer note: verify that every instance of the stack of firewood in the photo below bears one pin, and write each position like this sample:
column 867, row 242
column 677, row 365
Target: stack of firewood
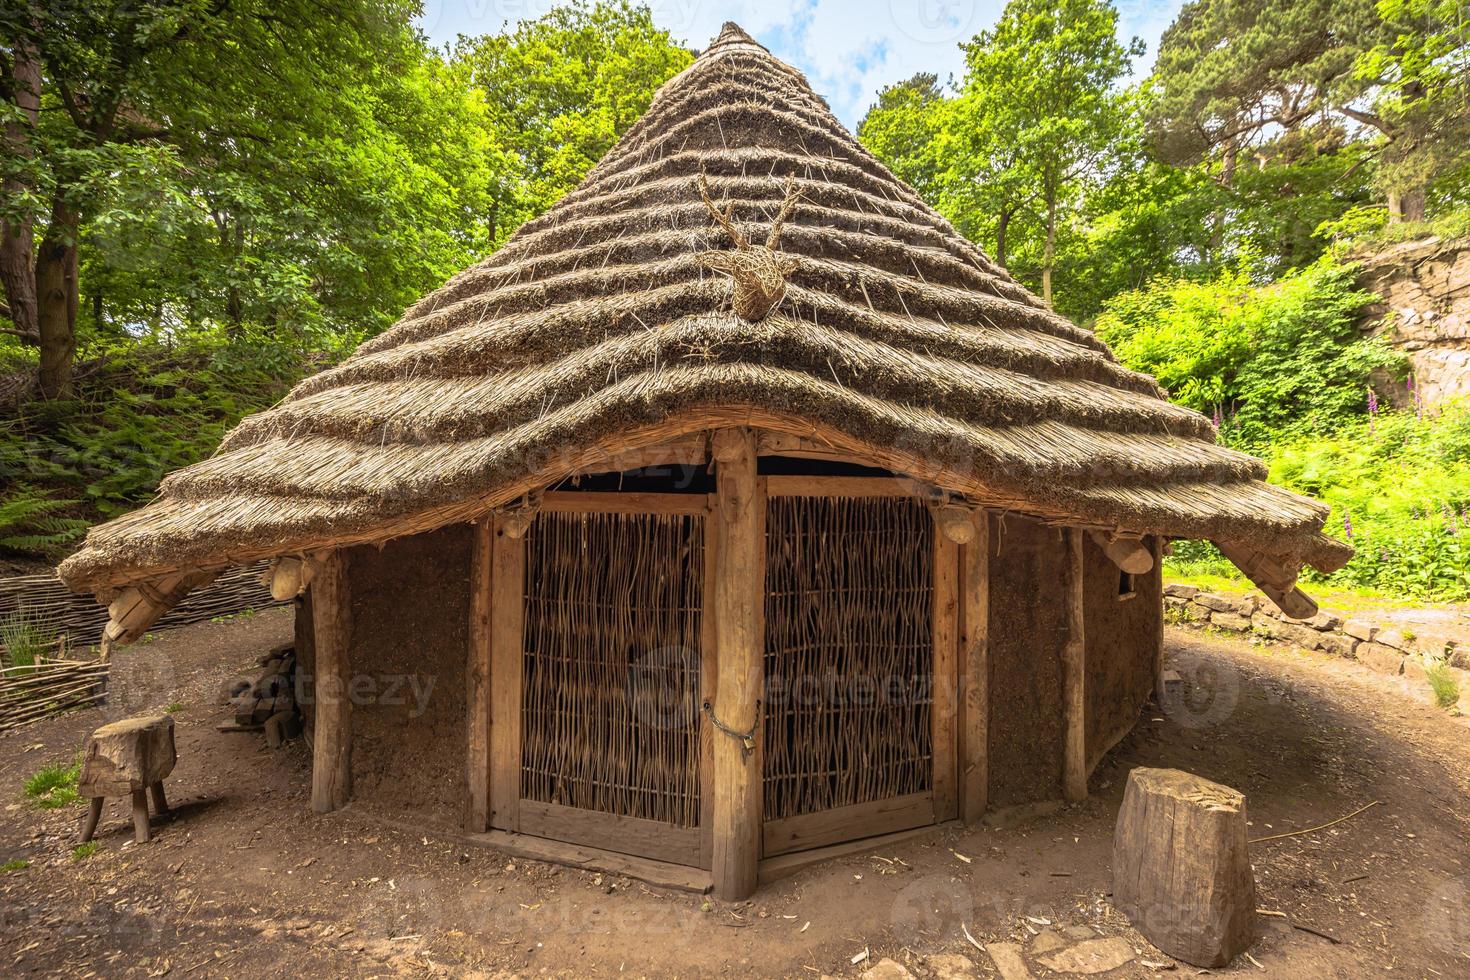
column 266, row 698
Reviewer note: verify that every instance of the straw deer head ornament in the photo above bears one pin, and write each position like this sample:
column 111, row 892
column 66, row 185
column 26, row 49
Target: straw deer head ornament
column 759, row 271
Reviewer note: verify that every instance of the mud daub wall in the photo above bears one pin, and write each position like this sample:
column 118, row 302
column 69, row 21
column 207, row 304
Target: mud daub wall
column 1122, row 641
column 1027, row 632
column 410, row 640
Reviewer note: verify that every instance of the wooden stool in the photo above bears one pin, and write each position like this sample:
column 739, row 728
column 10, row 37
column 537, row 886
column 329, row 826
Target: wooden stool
column 128, row 758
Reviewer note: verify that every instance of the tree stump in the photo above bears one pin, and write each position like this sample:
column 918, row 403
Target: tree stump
column 128, row 758
column 1181, row 868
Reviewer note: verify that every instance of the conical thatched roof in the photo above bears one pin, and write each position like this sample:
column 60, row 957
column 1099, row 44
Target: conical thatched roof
column 601, row 326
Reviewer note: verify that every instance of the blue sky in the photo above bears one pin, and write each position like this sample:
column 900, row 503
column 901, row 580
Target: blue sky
column 849, row 49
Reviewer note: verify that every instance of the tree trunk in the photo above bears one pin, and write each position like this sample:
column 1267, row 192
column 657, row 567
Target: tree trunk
column 1229, row 157
column 17, row 246
column 1406, row 205
column 56, row 295
column 1051, row 246
column 1000, row 237
column 234, row 245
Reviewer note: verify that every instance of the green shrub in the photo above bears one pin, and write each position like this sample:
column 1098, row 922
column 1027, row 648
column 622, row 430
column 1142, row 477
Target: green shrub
column 1267, row 361
column 54, row 786
column 142, row 409
column 29, row 522
column 1399, row 488
column 1398, row 485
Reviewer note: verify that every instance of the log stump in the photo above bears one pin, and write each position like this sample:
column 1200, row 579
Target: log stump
column 130, row 758
column 1181, row 868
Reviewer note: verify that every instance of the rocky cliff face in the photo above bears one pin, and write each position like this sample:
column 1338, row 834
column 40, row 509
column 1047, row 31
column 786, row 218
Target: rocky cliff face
column 1424, row 311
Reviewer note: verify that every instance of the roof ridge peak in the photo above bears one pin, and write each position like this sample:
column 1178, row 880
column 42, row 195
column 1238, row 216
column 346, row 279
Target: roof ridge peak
column 732, row 34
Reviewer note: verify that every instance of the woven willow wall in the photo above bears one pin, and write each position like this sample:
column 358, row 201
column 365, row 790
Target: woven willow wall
column 848, row 652
column 612, row 650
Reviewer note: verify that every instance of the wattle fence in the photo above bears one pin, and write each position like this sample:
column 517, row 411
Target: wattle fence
column 61, row 673
column 51, row 606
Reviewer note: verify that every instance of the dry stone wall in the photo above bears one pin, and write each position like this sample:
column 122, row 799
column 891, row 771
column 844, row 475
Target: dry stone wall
column 1385, row 649
column 1424, row 311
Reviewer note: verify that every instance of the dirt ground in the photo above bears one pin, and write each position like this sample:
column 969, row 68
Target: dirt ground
column 244, row 881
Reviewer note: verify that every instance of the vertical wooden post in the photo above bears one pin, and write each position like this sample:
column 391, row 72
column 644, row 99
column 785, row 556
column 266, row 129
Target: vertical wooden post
column 740, row 563
column 1074, row 668
column 477, row 682
column 975, row 672
column 709, row 648
column 1158, row 601
column 507, row 625
column 331, row 751
column 944, row 618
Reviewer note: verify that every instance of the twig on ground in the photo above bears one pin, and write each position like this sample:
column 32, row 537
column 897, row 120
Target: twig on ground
column 1313, row 830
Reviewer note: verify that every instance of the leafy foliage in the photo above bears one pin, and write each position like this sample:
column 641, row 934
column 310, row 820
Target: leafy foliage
column 140, row 410
column 1283, row 359
column 1443, row 682
column 1399, row 488
column 29, row 522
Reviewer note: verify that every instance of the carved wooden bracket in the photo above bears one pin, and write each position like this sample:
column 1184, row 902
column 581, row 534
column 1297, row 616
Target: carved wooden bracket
column 1272, row 577
column 954, row 517
column 515, row 518
column 289, row 577
column 1128, row 551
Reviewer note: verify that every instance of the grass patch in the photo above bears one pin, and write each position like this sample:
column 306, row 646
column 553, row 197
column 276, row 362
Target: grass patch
column 16, row 864
column 54, row 786
column 1443, row 683
column 83, row 851
column 175, row 707
column 25, row 640
column 1338, row 599
column 247, row 613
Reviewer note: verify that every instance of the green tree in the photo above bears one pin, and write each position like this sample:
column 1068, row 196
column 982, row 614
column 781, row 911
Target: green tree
column 1039, row 96
column 205, row 119
column 901, row 128
column 1234, row 74
column 560, row 90
column 1421, row 78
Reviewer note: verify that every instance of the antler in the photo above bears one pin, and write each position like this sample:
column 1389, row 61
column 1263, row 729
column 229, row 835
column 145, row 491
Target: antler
column 722, row 218
column 773, row 240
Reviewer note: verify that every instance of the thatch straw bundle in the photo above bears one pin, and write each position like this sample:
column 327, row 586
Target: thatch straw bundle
column 603, row 325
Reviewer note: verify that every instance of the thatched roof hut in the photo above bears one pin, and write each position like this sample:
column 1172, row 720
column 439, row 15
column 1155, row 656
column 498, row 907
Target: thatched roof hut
column 641, row 321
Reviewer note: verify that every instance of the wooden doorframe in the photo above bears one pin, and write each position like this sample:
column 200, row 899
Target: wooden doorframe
column 495, row 681
column 947, row 681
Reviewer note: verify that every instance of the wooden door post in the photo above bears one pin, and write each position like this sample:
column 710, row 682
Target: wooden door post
column 507, row 628
column 739, row 608
column 477, row 682
column 944, row 706
column 1158, row 600
column 975, row 672
column 1074, row 667
column 331, row 762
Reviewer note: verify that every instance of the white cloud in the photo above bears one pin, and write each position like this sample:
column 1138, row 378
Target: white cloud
column 849, row 49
